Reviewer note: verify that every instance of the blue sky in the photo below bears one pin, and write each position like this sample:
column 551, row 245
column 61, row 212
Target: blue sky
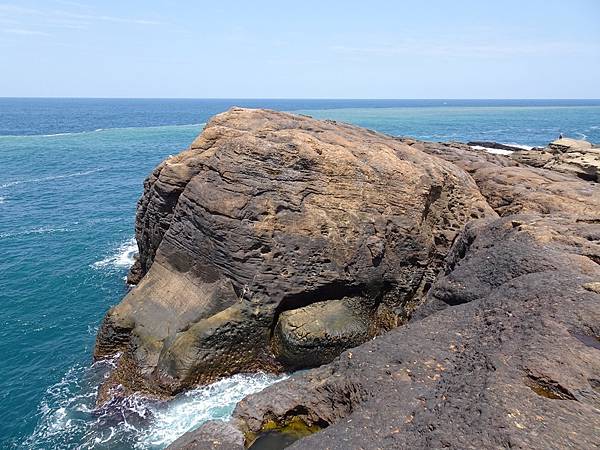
column 304, row 49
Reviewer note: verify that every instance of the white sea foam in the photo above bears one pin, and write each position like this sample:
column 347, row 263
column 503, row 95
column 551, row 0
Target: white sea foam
column 50, row 178
column 98, row 130
column 2, row 200
column 215, row 401
column 37, row 230
column 521, row 146
column 122, row 257
column 496, row 151
column 56, row 134
column 68, row 417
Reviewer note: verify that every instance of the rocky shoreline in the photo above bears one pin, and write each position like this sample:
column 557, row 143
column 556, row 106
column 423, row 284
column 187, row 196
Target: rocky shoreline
column 443, row 296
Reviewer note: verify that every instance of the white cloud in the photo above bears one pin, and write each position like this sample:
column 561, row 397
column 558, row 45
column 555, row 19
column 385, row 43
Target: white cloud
column 458, row 49
column 24, row 32
column 7, row 9
column 93, row 17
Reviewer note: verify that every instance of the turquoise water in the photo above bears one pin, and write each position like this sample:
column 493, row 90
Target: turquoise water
column 524, row 125
column 71, row 172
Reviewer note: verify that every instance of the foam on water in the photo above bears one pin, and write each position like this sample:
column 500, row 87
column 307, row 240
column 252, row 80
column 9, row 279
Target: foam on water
column 98, row 130
column 37, row 230
column 215, row 401
column 524, row 147
column 495, row 151
column 50, row 178
column 69, row 419
column 122, row 257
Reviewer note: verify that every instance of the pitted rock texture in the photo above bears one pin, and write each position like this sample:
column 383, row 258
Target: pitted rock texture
column 583, row 162
column 266, row 213
column 511, row 187
column 317, row 333
column 505, row 353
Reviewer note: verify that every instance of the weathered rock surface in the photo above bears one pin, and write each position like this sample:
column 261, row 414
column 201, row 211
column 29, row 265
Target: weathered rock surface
column 215, row 434
column 504, row 354
column 510, row 187
column 568, row 144
column 276, row 241
column 568, row 156
column 317, row 333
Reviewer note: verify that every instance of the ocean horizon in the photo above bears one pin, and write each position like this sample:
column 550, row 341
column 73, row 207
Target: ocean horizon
column 72, row 172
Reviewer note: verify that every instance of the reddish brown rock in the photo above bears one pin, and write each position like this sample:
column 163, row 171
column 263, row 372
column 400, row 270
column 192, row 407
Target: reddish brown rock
column 511, row 188
column 504, row 354
column 270, row 212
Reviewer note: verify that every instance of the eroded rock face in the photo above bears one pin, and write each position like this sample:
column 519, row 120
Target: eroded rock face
column 568, row 156
column 511, row 187
column 505, row 353
column 266, row 223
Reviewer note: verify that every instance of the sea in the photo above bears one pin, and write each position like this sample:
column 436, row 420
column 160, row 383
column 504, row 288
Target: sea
column 71, row 172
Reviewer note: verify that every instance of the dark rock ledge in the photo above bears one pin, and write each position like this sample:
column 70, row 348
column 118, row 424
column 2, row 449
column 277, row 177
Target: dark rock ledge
column 276, row 242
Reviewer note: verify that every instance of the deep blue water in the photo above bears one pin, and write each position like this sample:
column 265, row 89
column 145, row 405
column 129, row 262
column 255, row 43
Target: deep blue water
column 71, row 172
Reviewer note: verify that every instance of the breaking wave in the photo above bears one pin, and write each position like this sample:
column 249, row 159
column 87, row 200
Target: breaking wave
column 68, row 417
column 122, row 257
column 495, row 151
column 524, row 147
column 98, row 130
column 215, row 401
column 37, row 230
column 50, row 178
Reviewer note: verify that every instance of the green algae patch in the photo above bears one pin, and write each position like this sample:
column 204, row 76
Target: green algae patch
column 277, row 436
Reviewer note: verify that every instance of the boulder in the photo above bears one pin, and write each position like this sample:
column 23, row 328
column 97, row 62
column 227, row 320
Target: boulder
column 569, row 156
column 534, row 158
column 215, row 435
column 275, row 237
column 317, row 333
column 568, row 145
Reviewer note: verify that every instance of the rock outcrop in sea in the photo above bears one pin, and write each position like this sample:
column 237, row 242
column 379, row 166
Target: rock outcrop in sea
column 445, row 296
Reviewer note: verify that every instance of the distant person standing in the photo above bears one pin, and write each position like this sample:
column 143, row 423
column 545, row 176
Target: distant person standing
column 560, row 136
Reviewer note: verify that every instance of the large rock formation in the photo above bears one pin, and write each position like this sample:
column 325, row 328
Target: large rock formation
column 510, row 358
column 503, row 353
column 277, row 241
column 569, row 156
column 511, row 187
